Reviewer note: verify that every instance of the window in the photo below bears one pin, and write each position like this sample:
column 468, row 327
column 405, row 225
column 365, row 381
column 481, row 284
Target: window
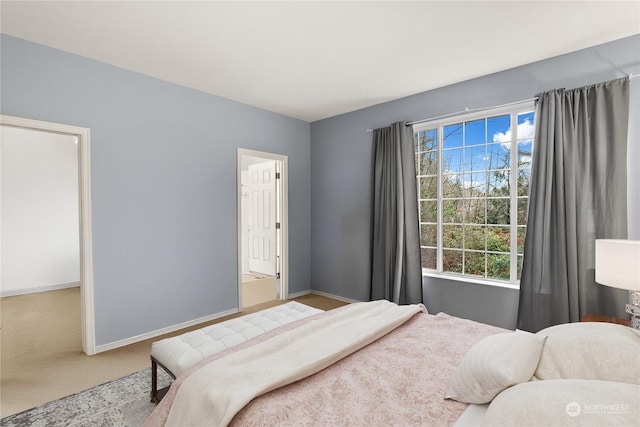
column 473, row 184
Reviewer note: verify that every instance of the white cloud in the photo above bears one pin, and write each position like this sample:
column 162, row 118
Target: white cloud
column 525, row 131
column 525, row 134
column 469, row 184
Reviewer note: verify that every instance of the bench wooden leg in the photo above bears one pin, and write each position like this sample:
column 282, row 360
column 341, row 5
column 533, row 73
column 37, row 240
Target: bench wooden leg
column 154, row 381
column 157, row 395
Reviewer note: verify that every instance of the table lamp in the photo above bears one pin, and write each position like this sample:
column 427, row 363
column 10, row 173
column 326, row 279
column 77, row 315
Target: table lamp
column 618, row 266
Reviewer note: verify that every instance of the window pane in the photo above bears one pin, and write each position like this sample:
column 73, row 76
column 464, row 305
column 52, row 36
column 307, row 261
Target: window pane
column 521, row 235
column 474, row 184
column 499, row 266
column 474, row 158
column 524, row 154
column 452, row 136
column 520, row 259
column 498, row 156
column 428, row 211
column 498, row 211
column 451, row 186
column 474, row 212
column 499, row 129
column 474, row 263
column 428, row 140
column 523, row 203
column 452, row 160
column 452, row 261
column 452, row 236
column 428, row 164
column 524, row 176
column 525, row 125
column 474, row 132
column 452, row 211
column 428, row 187
column 474, row 237
column 498, row 184
column 498, row 239
column 429, row 257
column 428, row 233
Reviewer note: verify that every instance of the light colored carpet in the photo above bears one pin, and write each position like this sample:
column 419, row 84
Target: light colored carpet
column 247, row 277
column 41, row 353
column 257, row 291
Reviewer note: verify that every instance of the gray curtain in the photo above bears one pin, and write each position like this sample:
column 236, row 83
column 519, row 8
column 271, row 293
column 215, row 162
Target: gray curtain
column 578, row 193
column 396, row 272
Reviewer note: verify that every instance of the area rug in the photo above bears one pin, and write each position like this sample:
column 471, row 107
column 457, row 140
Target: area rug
column 121, row 402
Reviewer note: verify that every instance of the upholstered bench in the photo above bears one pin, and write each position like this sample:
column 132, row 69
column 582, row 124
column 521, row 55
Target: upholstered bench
column 177, row 354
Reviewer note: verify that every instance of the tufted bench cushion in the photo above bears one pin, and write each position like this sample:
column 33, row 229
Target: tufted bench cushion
column 177, row 354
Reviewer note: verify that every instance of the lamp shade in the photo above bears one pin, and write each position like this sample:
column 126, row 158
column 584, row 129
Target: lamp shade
column 618, row 263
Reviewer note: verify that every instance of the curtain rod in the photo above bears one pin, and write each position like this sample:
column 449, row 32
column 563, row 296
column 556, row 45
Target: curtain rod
column 467, row 110
column 471, row 110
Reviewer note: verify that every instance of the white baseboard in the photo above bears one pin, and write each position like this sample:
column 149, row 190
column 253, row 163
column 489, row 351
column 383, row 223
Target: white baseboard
column 168, row 329
column 47, row 288
column 339, row 298
column 298, row 294
column 323, row 294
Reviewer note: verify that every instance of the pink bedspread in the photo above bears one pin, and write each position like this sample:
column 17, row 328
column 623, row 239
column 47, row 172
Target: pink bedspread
column 398, row 380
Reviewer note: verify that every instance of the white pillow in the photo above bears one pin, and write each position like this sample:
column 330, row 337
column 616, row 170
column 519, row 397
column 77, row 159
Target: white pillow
column 566, row 403
column 493, row 364
column 590, row 351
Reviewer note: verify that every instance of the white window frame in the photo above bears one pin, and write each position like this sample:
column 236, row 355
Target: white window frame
column 514, row 111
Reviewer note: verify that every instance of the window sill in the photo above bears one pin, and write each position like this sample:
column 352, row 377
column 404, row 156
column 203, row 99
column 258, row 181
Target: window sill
column 472, row 280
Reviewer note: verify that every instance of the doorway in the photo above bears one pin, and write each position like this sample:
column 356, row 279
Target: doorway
column 40, row 224
column 262, row 227
column 80, row 139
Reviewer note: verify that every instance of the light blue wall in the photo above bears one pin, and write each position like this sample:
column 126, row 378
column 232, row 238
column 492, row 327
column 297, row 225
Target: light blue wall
column 341, row 173
column 163, row 166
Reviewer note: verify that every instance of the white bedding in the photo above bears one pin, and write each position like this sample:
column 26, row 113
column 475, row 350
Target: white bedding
column 399, row 379
column 586, row 374
column 472, row 416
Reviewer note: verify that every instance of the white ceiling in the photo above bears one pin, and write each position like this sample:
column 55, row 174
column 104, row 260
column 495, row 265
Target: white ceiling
column 313, row 60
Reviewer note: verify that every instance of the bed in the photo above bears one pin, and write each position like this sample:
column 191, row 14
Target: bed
column 348, row 367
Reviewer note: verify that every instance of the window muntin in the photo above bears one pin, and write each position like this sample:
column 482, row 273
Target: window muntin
column 472, row 204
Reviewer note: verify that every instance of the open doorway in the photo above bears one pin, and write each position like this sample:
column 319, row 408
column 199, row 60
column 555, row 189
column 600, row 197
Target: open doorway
column 82, row 259
column 40, row 226
column 262, row 227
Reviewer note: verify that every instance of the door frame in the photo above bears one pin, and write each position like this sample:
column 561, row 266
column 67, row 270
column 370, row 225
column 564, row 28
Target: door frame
column 84, row 203
column 283, row 203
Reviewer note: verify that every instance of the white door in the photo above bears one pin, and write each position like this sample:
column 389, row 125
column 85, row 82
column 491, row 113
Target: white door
column 262, row 222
